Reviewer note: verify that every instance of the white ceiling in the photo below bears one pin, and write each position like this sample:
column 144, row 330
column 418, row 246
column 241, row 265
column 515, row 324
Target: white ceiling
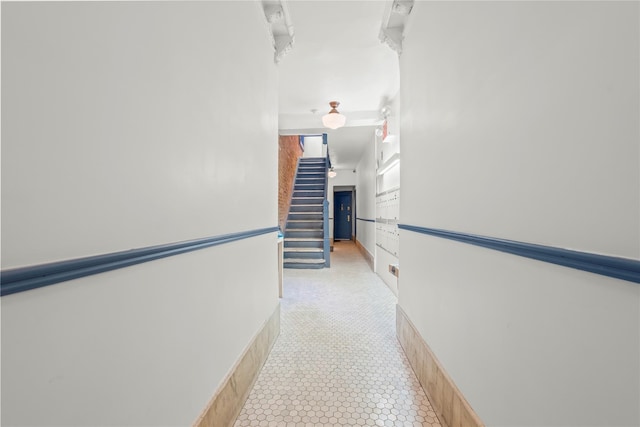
column 337, row 56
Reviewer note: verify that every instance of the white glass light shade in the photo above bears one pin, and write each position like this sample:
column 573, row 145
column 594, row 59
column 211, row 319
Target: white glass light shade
column 333, row 120
column 332, row 173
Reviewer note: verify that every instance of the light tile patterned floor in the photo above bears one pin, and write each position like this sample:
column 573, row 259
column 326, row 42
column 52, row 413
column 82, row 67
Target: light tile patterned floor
column 337, row 361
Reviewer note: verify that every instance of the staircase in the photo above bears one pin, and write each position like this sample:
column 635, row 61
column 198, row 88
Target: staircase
column 304, row 237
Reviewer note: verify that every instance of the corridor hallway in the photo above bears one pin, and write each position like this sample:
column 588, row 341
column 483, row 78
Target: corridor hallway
column 337, row 361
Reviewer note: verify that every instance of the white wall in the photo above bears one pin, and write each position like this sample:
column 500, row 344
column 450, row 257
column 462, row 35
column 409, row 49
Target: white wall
column 520, row 121
column 313, row 146
column 366, row 200
column 142, row 346
column 127, row 125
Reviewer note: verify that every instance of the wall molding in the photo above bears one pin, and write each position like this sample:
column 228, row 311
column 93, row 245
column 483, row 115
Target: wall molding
column 366, row 219
column 227, row 402
column 36, row 276
column 280, row 27
column 387, row 221
column 394, row 22
column 619, row 268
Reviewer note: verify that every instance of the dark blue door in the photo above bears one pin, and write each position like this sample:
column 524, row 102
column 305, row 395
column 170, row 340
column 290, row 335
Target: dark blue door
column 342, row 215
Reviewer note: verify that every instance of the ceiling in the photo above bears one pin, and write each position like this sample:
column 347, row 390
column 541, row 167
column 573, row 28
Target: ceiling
column 337, row 56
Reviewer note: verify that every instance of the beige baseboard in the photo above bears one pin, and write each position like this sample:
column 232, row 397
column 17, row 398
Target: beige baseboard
column 227, row 402
column 452, row 408
column 367, row 255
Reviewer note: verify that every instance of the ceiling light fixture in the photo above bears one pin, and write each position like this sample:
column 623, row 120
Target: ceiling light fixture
column 333, row 119
column 332, row 173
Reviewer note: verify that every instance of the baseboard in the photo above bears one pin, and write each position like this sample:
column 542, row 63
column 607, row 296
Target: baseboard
column 367, row 255
column 227, row 402
column 452, row 408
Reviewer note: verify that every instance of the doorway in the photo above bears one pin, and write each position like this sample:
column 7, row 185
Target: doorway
column 342, row 215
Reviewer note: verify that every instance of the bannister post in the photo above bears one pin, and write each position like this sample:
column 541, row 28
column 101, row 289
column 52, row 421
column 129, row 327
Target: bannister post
column 327, row 252
column 325, row 208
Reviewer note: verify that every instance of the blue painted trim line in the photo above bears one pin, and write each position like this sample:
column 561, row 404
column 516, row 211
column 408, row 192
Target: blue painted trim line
column 619, row 268
column 27, row 278
column 365, row 219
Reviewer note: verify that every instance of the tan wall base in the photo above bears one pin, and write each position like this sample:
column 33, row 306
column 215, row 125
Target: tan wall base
column 452, row 408
column 227, row 402
column 367, row 255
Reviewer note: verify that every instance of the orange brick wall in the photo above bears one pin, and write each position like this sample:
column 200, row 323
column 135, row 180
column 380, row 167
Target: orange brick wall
column 288, row 154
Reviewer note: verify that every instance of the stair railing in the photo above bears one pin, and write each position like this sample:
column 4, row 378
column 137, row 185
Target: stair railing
column 325, row 207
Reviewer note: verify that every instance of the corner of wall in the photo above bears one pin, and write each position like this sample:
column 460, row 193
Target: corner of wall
column 450, row 405
column 227, row 402
column 368, row 256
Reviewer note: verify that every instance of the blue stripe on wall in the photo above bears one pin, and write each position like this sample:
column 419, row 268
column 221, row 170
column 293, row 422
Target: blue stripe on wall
column 620, row 268
column 365, row 219
column 32, row 277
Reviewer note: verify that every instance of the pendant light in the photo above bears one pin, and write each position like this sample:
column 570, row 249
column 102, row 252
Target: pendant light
column 333, row 120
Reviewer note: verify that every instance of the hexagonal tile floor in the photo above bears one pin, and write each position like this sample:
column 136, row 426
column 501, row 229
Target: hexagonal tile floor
column 337, row 361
